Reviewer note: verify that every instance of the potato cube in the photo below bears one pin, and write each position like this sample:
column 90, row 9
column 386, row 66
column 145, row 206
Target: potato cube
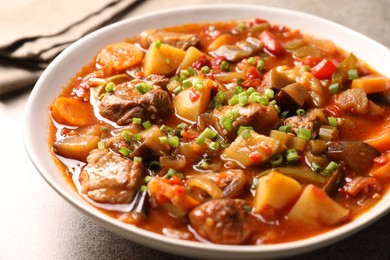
column 253, row 150
column 192, row 55
column 269, row 200
column 163, row 59
column 315, row 207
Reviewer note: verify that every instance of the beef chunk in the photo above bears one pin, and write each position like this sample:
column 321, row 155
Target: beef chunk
column 312, row 120
column 220, row 221
column 110, row 178
column 121, row 109
column 262, row 118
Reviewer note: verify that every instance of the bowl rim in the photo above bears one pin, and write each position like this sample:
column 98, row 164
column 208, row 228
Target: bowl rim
column 162, row 242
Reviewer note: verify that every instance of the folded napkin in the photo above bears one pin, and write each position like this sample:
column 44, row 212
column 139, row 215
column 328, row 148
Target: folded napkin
column 33, row 32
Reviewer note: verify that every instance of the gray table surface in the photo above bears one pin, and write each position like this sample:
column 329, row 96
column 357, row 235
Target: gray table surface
column 36, row 223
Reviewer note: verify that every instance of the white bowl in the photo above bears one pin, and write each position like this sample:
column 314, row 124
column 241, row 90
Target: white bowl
column 80, row 53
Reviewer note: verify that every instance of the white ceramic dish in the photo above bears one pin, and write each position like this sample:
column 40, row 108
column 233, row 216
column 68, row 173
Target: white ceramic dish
column 73, row 58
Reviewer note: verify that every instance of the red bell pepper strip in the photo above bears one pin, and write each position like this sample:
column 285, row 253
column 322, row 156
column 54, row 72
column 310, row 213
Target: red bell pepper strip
column 271, row 43
column 324, row 69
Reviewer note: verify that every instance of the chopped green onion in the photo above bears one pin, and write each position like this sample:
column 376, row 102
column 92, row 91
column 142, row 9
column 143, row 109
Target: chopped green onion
column 334, row 88
column 209, row 133
column 143, row 87
column 143, row 188
column 269, row 93
column 291, row 155
column 246, row 134
column 147, row 124
column 174, row 78
column 225, row 65
column 264, row 101
column 124, row 151
column 242, row 26
column 284, row 114
column 181, row 126
column 353, row 74
column 211, row 28
column 171, row 172
column 242, row 128
column 187, row 83
column 233, row 100
column 255, row 97
column 173, row 141
column 226, row 123
column 137, row 120
column 177, row 90
column 101, row 145
column 158, row 44
column 237, row 89
column 126, row 135
column 243, row 99
column 137, row 159
column 332, row 166
column 276, row 160
column 315, row 167
column 198, row 84
column 239, row 81
column 332, row 121
column 104, row 129
column 250, row 90
column 163, row 139
column 252, row 60
column 191, row 70
column 205, row 69
column 201, row 139
column 154, row 165
column 300, row 112
column 304, row 133
column 214, row 146
column 166, row 129
column 148, row 178
column 110, row 87
column 260, row 65
column 285, row 128
column 306, row 67
column 167, row 61
column 136, row 137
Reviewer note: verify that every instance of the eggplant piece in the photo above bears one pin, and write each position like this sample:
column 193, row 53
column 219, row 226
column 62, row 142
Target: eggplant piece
column 333, row 181
column 357, row 155
column 292, row 97
column 275, row 80
column 242, row 49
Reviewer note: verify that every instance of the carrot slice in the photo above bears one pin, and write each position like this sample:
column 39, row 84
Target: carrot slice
column 70, row 111
column 371, row 84
column 380, row 140
column 382, row 171
column 120, row 56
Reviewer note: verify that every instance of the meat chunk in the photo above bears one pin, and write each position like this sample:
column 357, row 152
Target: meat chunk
column 179, row 40
column 110, row 178
column 121, row 109
column 353, row 101
column 312, row 120
column 220, row 221
column 262, row 118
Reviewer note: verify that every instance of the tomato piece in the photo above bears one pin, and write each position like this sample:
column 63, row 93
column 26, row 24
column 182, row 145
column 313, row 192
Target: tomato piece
column 120, row 56
column 271, row 43
column 253, row 73
column 324, row 69
column 194, row 95
column 256, row 157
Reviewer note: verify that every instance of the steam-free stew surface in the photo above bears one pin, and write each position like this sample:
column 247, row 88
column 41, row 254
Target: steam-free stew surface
column 236, row 132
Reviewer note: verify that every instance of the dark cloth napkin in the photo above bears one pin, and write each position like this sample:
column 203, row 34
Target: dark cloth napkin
column 34, row 32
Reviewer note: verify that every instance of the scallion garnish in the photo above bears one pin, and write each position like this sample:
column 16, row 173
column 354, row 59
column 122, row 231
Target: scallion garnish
column 110, row 87
column 291, row 155
column 353, row 74
column 304, row 133
column 334, row 88
column 126, row 135
column 143, row 87
column 225, row 65
column 173, row 141
column 276, row 160
column 147, row 124
column 300, row 112
column 124, row 151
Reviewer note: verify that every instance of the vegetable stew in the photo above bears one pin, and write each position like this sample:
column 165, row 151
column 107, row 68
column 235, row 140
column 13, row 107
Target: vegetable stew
column 238, row 132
